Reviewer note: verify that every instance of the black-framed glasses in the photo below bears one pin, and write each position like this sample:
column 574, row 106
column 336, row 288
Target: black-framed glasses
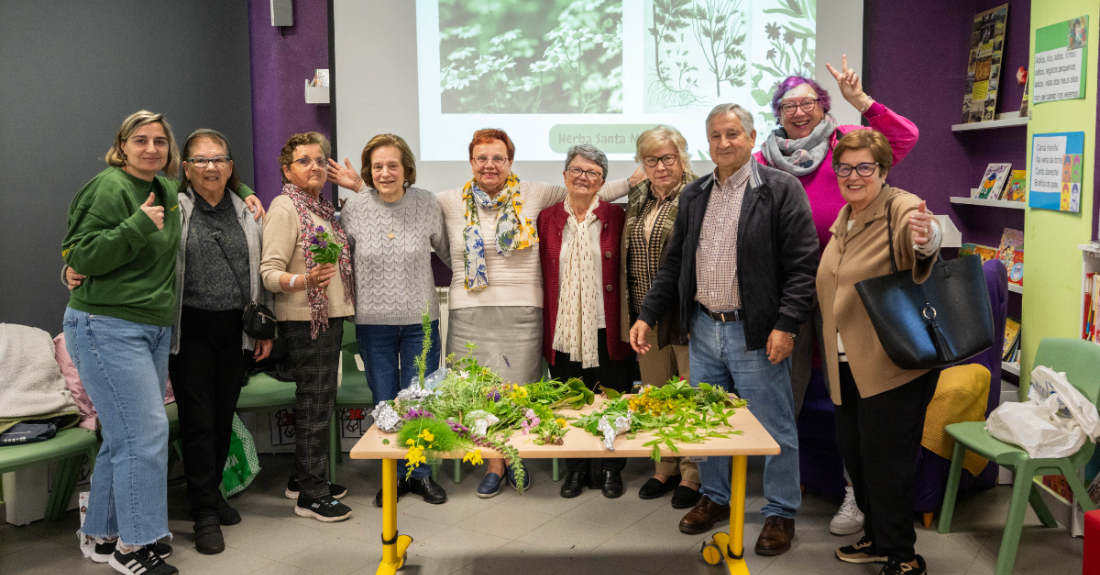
column 201, row 162
column 667, row 159
column 306, row 163
column 496, row 160
column 806, row 106
column 864, row 169
column 591, row 174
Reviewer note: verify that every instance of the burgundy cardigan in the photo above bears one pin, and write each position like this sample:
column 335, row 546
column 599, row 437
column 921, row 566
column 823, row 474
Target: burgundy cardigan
column 551, row 224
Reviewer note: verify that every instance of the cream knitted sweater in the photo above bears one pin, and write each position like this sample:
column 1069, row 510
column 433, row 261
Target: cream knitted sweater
column 282, row 249
column 515, row 280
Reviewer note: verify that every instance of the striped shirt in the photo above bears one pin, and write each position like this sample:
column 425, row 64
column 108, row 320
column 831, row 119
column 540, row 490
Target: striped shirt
column 716, row 258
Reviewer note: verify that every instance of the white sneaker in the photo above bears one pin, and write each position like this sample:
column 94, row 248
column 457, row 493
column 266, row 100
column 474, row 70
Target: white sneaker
column 849, row 520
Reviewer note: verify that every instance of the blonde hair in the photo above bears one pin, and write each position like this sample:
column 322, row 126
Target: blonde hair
column 117, row 158
column 658, row 136
column 408, row 162
column 286, row 155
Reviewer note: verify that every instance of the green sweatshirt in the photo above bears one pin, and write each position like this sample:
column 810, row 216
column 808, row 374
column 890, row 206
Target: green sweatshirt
column 130, row 264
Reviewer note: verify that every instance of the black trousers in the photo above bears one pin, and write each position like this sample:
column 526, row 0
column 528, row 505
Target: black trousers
column 879, row 439
column 315, row 364
column 207, row 375
column 612, row 374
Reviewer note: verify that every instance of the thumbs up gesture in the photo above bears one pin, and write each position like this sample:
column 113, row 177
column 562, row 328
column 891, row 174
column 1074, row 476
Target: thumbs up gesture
column 155, row 213
column 920, row 224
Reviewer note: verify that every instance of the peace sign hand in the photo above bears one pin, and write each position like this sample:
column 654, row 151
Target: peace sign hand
column 851, row 87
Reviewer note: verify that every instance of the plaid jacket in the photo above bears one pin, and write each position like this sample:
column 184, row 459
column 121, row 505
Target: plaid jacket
column 668, row 325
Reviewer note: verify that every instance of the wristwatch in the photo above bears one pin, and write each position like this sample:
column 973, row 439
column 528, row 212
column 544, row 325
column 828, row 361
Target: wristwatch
column 793, row 335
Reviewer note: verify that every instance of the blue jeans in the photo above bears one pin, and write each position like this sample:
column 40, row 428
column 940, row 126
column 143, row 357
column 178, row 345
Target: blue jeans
column 718, row 357
column 388, row 352
column 124, row 368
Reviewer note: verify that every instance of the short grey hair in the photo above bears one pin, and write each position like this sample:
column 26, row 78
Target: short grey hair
column 590, row 153
column 742, row 114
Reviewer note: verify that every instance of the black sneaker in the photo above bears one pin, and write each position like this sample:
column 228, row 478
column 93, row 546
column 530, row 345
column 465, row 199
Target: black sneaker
column 895, row 567
column 324, row 509
column 104, row 549
column 334, row 490
column 141, row 561
column 861, row 552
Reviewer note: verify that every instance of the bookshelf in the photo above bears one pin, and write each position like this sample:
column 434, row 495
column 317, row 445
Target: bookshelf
column 1008, row 204
column 1013, row 368
column 1003, row 120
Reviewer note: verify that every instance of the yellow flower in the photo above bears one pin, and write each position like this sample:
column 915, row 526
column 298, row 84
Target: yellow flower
column 473, row 457
column 410, row 442
column 427, row 435
column 561, row 422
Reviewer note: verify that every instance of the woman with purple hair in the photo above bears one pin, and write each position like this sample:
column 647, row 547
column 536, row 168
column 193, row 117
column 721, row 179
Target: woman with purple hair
column 803, row 147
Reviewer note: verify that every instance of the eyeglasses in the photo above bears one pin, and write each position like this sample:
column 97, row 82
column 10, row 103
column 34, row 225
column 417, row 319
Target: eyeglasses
column 806, row 106
column 577, row 172
column 668, row 160
column 865, row 169
column 496, row 160
column 306, row 163
column 218, row 161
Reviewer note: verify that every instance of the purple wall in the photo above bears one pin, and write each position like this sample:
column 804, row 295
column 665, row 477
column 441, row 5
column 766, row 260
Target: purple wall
column 280, row 66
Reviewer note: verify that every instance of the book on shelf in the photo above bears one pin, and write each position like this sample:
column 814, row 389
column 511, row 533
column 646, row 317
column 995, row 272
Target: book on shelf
column 993, row 181
column 985, row 252
column 983, row 69
column 1012, row 338
column 1016, row 189
column 1024, row 112
column 1011, row 240
column 1089, row 329
column 1016, row 270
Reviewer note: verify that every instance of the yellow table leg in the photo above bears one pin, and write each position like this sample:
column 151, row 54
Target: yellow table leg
column 732, row 544
column 394, row 546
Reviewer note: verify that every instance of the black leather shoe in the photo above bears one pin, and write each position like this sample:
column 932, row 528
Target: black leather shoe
column 574, row 483
column 428, row 489
column 226, row 514
column 208, row 535
column 685, row 498
column 612, row 484
column 402, row 489
column 655, row 488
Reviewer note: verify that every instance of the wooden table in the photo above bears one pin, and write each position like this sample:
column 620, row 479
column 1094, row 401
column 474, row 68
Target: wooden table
column 754, row 440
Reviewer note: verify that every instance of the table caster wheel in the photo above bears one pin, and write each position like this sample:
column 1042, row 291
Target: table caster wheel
column 711, row 554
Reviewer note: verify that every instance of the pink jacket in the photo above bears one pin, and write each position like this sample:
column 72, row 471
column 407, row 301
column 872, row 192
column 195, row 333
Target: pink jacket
column 821, row 186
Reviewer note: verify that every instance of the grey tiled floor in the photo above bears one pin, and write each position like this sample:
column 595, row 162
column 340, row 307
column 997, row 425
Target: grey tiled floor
column 536, row 534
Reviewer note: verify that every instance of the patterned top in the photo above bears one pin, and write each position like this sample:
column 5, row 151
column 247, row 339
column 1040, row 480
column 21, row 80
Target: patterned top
column 212, row 282
column 644, row 255
column 716, row 260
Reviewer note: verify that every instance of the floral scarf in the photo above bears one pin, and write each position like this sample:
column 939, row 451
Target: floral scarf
column 577, row 332
column 318, row 299
column 799, row 157
column 514, row 231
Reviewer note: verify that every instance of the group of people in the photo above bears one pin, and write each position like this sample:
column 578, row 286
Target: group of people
column 730, row 278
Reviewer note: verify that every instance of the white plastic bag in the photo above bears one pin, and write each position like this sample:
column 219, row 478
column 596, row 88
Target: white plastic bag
column 1054, row 421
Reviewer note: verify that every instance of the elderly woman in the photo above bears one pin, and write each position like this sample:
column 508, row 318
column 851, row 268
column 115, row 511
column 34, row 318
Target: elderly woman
column 312, row 301
column 803, row 147
column 496, row 303
column 654, row 203
column 393, row 228
column 217, row 275
column 120, row 255
column 880, row 406
column 579, row 249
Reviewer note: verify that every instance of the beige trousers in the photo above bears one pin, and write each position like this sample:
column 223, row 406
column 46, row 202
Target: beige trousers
column 657, row 367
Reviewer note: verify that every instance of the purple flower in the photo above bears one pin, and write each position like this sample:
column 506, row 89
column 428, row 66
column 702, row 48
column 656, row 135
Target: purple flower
column 314, row 241
column 494, row 395
column 324, row 244
column 415, row 413
column 320, row 229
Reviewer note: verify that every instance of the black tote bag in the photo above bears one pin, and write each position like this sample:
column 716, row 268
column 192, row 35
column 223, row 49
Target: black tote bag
column 940, row 322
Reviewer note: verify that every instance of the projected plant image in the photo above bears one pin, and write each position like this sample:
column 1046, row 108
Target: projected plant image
column 519, row 56
column 702, row 52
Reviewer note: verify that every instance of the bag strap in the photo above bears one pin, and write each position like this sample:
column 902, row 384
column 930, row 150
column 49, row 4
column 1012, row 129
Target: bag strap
column 889, row 234
column 228, row 260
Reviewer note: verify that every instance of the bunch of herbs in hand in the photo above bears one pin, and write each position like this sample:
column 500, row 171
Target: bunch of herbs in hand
column 324, row 247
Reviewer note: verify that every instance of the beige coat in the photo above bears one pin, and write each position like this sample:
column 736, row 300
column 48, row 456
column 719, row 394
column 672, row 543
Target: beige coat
column 851, row 257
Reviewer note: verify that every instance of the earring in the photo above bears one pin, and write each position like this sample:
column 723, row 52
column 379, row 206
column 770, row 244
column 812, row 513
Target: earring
column 407, row 184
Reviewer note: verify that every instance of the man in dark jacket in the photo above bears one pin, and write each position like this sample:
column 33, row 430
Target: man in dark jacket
column 742, row 259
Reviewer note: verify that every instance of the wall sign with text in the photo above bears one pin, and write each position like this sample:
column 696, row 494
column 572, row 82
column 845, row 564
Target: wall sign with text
column 1057, row 171
column 1061, row 61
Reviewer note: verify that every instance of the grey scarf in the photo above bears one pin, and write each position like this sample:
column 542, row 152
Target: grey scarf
column 799, row 157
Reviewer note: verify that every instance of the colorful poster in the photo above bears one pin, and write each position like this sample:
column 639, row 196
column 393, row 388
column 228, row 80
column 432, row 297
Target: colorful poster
column 1057, row 171
column 1061, row 60
column 983, row 70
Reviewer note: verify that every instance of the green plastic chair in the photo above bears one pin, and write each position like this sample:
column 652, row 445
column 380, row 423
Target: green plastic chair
column 353, row 393
column 1078, row 359
column 68, row 448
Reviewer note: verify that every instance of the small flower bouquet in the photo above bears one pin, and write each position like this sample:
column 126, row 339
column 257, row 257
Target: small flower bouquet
column 324, row 247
